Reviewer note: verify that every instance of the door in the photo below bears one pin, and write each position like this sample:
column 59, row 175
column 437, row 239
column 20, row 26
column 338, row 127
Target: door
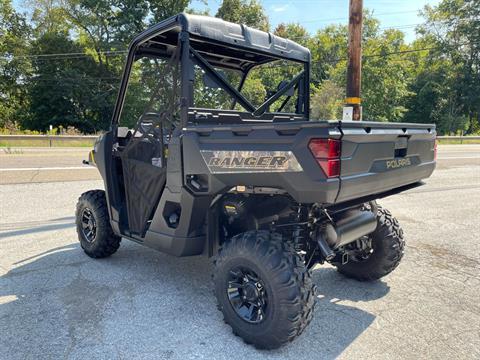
column 151, row 99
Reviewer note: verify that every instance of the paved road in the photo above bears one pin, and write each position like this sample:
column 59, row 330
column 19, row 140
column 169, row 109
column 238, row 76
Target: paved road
column 29, row 165
column 32, row 165
column 55, row 302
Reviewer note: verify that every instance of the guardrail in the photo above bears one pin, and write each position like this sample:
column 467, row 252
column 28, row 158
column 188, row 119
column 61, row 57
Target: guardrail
column 91, row 138
column 49, row 138
column 461, row 138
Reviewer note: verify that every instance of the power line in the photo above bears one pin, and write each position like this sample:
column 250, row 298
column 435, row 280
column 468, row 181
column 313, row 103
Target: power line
column 406, row 26
column 79, row 79
column 346, row 17
column 72, row 55
column 382, row 54
column 401, row 52
column 78, row 55
column 414, row 50
column 121, row 52
column 399, row 27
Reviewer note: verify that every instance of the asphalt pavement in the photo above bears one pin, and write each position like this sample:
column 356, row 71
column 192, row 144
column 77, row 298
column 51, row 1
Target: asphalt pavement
column 55, row 302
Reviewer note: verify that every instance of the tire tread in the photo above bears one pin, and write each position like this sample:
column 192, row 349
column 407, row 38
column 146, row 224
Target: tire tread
column 106, row 242
column 288, row 266
column 394, row 245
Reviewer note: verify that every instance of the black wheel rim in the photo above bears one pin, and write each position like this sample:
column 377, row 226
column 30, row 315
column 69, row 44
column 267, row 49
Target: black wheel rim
column 89, row 225
column 247, row 294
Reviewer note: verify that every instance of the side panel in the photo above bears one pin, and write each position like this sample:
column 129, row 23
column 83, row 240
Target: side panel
column 185, row 238
column 205, row 162
column 277, row 156
column 178, row 225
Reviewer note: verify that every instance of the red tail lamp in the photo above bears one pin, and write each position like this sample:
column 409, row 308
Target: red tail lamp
column 327, row 153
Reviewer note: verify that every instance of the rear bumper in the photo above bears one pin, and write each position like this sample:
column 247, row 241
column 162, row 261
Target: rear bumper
column 353, row 187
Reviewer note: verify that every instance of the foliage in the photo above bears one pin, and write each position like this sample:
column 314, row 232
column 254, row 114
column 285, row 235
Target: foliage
column 385, row 77
column 61, row 63
column 248, row 12
column 329, row 50
column 327, row 101
column 448, row 78
column 66, row 91
column 14, row 35
column 73, row 61
column 294, row 32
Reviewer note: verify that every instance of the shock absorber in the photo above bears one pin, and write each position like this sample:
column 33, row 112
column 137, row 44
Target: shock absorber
column 298, row 229
column 298, row 237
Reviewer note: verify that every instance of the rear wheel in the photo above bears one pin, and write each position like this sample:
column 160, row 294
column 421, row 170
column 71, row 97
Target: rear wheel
column 93, row 225
column 263, row 289
column 377, row 254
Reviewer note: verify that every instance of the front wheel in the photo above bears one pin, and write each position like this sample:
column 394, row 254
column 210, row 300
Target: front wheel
column 377, row 254
column 263, row 289
column 93, row 225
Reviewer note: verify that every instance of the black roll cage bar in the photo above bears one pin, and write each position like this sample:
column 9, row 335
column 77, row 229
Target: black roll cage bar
column 190, row 56
column 237, row 95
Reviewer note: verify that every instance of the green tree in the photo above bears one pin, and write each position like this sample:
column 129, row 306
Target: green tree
column 329, row 51
column 248, row 12
column 106, row 25
column 294, row 32
column 327, row 100
column 47, row 16
column 448, row 77
column 385, row 71
column 162, row 9
column 65, row 91
column 386, row 76
column 63, row 65
column 80, row 87
column 14, row 65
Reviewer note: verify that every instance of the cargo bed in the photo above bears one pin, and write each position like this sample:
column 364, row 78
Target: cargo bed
column 375, row 157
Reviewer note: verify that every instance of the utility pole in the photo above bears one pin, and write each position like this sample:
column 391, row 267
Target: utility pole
column 353, row 106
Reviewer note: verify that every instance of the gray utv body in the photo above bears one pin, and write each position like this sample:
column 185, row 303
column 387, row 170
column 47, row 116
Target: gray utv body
column 213, row 155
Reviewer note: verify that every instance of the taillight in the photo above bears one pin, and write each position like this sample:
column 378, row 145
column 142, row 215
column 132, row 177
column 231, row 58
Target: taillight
column 327, row 153
column 435, row 150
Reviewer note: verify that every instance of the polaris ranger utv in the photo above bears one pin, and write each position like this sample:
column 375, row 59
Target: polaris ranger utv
column 200, row 160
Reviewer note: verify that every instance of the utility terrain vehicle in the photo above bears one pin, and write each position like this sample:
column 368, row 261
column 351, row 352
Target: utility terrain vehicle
column 201, row 159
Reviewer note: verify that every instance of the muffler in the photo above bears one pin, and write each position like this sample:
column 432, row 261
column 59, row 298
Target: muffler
column 352, row 225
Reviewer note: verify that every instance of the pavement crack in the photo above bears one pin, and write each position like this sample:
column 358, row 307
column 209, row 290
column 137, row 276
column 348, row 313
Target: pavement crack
column 35, row 174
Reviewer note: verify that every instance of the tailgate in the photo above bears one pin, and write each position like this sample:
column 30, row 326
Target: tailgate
column 377, row 157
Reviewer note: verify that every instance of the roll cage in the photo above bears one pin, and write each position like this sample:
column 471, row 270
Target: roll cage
column 213, row 44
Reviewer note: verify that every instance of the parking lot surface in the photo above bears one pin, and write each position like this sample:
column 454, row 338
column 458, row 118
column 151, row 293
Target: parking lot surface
column 55, row 302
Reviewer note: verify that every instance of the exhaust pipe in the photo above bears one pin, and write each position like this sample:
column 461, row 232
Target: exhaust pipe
column 325, row 249
column 352, row 225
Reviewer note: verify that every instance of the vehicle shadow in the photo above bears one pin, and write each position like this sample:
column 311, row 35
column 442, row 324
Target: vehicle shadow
column 32, row 227
column 143, row 304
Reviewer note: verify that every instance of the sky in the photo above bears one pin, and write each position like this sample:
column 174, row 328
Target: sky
column 315, row 14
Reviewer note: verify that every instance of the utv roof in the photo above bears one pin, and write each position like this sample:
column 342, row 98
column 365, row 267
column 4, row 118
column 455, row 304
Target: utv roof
column 219, row 41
